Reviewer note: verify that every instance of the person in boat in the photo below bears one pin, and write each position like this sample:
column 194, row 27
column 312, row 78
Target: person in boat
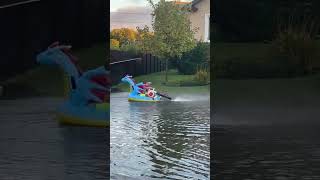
column 144, row 87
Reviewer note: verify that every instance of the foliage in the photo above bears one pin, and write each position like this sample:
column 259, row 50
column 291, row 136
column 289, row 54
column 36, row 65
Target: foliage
column 188, row 63
column 295, row 40
column 131, row 48
column 172, row 33
column 114, row 44
column 144, row 39
column 250, row 20
column 202, row 74
column 249, row 60
column 123, row 35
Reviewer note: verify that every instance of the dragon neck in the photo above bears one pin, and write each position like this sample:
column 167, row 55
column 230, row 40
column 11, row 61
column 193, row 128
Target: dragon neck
column 69, row 65
column 131, row 83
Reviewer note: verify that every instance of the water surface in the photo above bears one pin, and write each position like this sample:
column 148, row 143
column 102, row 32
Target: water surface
column 33, row 146
column 168, row 140
column 266, row 129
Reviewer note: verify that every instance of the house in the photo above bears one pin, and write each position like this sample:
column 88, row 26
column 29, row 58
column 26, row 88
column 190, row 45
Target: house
column 200, row 19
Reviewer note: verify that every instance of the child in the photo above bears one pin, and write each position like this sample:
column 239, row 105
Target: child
column 144, row 87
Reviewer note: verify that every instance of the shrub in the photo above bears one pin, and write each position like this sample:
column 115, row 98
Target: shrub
column 295, row 40
column 130, row 48
column 114, row 44
column 187, row 64
column 202, row 74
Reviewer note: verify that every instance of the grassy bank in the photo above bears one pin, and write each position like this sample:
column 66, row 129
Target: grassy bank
column 157, row 80
column 46, row 80
column 253, row 60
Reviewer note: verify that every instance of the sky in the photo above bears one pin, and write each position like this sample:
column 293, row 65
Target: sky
column 130, row 13
column 116, row 4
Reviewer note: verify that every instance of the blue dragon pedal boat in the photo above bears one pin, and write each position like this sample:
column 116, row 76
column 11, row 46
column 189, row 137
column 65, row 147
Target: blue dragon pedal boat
column 137, row 93
column 87, row 103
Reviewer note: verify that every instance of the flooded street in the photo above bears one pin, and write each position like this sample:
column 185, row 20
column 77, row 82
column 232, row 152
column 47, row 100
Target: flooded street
column 34, row 146
column 266, row 129
column 166, row 140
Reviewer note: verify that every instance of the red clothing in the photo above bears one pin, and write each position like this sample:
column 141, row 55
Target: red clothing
column 144, row 87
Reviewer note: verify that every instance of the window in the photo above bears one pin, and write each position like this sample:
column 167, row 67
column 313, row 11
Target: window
column 207, row 28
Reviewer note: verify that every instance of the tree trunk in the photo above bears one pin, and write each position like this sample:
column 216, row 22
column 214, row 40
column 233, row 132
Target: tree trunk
column 166, row 70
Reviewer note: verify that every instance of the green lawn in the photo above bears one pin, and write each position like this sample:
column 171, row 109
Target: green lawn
column 46, row 80
column 254, row 51
column 173, row 76
column 252, row 60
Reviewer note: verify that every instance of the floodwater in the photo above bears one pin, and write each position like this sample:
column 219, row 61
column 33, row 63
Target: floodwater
column 266, row 129
column 166, row 140
column 34, row 147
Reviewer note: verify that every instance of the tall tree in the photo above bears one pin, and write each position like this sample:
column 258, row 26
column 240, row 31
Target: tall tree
column 172, row 31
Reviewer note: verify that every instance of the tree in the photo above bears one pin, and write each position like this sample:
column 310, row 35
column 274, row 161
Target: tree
column 123, row 35
column 172, row 31
column 114, row 44
column 144, row 39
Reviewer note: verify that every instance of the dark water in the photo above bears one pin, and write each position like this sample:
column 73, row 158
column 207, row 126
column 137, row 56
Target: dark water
column 166, row 140
column 267, row 131
column 33, row 146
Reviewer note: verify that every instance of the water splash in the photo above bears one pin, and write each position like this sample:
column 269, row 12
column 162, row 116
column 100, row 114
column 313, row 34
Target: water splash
column 186, row 98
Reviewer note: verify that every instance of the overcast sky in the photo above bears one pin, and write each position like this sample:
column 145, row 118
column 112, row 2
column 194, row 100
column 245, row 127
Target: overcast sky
column 130, row 13
column 116, row 4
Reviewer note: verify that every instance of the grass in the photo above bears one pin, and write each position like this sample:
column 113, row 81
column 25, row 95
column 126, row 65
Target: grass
column 157, row 80
column 46, row 80
column 251, row 60
column 243, row 51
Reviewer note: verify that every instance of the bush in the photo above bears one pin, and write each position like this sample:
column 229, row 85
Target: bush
column 202, row 75
column 189, row 61
column 295, row 40
column 130, row 48
column 114, row 44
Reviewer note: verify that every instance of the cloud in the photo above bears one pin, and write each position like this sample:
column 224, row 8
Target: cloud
column 131, row 17
column 130, row 13
column 117, row 4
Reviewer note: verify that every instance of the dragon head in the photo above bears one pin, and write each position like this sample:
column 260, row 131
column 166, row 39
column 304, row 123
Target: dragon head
column 60, row 55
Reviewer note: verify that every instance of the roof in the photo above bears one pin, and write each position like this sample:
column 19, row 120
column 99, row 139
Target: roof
column 194, row 2
column 179, row 2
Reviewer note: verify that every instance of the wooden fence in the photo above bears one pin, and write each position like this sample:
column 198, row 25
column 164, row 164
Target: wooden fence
column 137, row 66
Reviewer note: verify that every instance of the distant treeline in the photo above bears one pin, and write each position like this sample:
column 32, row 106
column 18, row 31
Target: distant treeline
column 28, row 28
column 255, row 20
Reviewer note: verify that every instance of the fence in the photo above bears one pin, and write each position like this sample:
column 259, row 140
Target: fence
column 29, row 26
column 138, row 66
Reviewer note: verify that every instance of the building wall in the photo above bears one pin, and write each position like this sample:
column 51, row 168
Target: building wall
column 198, row 18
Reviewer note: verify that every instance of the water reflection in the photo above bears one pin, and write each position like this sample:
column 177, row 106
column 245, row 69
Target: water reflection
column 33, row 145
column 268, row 129
column 167, row 140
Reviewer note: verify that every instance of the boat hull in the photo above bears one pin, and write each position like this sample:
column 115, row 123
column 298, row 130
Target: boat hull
column 142, row 98
column 92, row 116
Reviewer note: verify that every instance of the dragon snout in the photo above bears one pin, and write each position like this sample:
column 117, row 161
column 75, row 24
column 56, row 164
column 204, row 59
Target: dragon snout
column 39, row 58
column 44, row 58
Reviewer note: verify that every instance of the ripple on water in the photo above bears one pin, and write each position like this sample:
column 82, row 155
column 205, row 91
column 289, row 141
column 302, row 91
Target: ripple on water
column 168, row 140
